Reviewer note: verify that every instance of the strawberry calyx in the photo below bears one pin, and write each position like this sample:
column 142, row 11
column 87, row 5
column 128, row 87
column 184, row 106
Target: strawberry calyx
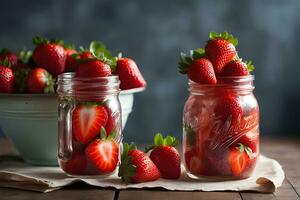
column 5, row 62
column 25, row 55
column 250, row 66
column 104, row 136
column 37, row 40
column 50, row 83
column 99, row 50
column 127, row 170
column 190, row 134
column 187, row 60
column 225, row 36
column 241, row 147
column 159, row 140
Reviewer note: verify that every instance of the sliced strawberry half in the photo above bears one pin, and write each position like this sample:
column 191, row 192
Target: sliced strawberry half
column 239, row 159
column 103, row 153
column 87, row 121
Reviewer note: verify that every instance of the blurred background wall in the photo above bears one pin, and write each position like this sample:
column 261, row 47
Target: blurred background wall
column 155, row 32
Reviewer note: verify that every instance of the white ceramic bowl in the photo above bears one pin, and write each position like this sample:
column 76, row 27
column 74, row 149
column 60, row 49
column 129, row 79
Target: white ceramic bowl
column 30, row 122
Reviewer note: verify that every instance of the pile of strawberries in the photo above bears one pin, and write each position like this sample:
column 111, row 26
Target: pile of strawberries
column 164, row 161
column 218, row 59
column 35, row 72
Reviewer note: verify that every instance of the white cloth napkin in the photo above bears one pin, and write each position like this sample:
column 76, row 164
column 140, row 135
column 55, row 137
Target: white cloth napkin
column 267, row 176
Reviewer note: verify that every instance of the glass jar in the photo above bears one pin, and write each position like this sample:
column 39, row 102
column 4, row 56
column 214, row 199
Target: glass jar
column 89, row 109
column 221, row 129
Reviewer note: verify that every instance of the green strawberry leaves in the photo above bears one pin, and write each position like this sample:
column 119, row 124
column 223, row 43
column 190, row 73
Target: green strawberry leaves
column 25, row 55
column 186, row 60
column 126, row 169
column 250, row 66
column 190, row 134
column 99, row 50
column 5, row 62
column 37, row 40
column 105, row 136
column 243, row 148
column 224, row 35
column 159, row 140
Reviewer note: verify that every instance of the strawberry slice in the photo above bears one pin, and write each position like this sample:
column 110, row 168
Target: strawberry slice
column 239, row 159
column 103, row 153
column 87, row 121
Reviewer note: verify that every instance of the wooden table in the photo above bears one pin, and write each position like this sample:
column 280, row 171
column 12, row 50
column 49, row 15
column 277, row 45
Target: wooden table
column 286, row 151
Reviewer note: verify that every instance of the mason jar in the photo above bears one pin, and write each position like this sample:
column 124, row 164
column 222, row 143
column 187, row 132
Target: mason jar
column 221, row 129
column 89, row 113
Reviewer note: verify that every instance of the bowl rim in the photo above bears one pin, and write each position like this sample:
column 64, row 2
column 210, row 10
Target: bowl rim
column 130, row 91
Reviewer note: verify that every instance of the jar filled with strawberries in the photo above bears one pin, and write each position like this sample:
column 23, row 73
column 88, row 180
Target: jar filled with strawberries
column 221, row 114
column 90, row 126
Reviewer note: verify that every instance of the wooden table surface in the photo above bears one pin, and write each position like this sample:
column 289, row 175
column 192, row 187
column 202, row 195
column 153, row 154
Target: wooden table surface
column 286, row 151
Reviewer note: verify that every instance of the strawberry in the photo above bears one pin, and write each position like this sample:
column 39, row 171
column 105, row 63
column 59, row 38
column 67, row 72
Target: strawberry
column 103, row 153
column 193, row 161
column 136, row 166
column 6, row 77
column 237, row 68
column 220, row 50
column 87, row 121
column 228, row 108
column 76, row 165
column 85, row 55
column 110, row 124
column 11, row 56
column 239, row 159
column 197, row 67
column 165, row 156
column 40, row 81
column 251, row 140
column 50, row 55
column 93, row 68
column 129, row 74
column 71, row 62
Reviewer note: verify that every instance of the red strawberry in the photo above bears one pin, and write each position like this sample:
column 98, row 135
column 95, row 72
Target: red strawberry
column 85, row 55
column 6, row 79
column 166, row 157
column 76, row 165
column 71, row 62
column 198, row 68
column 87, row 121
column 237, row 68
column 51, row 56
column 202, row 71
column 129, row 74
column 7, row 54
column 103, row 153
column 136, row 166
column 239, row 159
column 251, row 140
column 228, row 108
column 220, row 50
column 110, row 124
column 93, row 68
column 193, row 161
column 40, row 81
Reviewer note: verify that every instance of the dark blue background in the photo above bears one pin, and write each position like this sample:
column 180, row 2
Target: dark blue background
column 155, row 32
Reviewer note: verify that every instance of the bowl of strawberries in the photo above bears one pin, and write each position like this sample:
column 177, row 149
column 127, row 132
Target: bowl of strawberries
column 28, row 101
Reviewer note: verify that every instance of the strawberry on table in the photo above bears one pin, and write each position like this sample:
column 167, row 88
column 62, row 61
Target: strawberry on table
column 237, row 68
column 136, row 166
column 197, row 67
column 129, row 74
column 40, row 81
column 239, row 157
column 220, row 50
column 6, row 77
column 165, row 156
column 103, row 153
column 11, row 56
column 49, row 54
column 87, row 121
